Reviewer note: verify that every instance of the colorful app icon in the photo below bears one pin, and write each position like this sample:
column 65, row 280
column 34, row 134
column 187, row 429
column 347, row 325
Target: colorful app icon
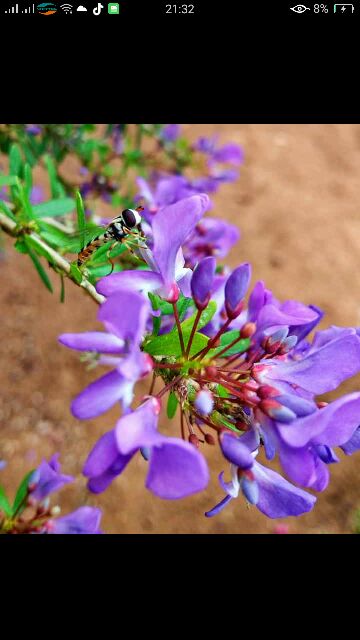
column 113, row 7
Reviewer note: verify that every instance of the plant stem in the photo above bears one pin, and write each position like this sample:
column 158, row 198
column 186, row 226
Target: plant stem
column 193, row 330
column 177, row 320
column 204, row 351
column 9, row 226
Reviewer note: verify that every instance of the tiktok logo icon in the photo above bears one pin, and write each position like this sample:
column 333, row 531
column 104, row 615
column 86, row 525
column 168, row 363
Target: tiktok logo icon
column 98, row 9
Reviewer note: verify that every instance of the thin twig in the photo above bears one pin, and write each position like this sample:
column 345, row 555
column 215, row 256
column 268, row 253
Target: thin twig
column 9, row 226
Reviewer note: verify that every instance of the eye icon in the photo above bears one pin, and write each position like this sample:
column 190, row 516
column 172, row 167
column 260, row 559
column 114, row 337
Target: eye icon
column 300, row 8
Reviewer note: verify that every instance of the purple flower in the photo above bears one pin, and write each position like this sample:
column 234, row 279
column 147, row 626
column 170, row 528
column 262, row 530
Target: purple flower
column 37, row 195
column 171, row 227
column 47, row 478
column 85, row 520
column 211, row 237
column 33, row 129
column 176, row 468
column 230, row 153
column 272, row 494
column 170, row 132
column 98, row 187
column 125, row 332
column 3, row 464
column 202, row 281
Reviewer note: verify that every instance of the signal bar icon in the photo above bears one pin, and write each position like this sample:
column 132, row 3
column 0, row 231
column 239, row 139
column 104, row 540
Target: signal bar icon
column 66, row 7
column 15, row 9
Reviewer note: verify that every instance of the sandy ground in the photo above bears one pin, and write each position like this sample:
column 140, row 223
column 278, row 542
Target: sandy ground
column 297, row 204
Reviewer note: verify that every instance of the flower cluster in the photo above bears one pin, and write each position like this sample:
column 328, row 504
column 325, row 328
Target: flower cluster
column 32, row 513
column 241, row 374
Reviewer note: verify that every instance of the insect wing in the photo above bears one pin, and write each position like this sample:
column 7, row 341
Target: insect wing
column 75, row 240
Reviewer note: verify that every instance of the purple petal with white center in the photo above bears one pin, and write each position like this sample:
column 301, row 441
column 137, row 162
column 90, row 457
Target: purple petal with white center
column 235, row 451
column 177, row 469
column 323, row 369
column 134, row 280
column 333, row 425
column 353, row 444
column 277, row 497
column 171, row 226
column 99, row 396
column 93, row 341
column 85, row 520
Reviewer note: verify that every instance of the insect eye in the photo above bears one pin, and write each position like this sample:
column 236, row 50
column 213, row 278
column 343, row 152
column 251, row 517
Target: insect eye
column 129, row 218
column 299, row 8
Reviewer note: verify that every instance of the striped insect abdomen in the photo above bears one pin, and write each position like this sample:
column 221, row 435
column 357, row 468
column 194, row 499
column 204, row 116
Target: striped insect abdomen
column 92, row 246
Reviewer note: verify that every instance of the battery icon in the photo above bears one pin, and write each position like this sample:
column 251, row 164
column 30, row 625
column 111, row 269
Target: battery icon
column 342, row 8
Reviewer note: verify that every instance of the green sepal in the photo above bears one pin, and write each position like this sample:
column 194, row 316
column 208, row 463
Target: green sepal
column 172, row 405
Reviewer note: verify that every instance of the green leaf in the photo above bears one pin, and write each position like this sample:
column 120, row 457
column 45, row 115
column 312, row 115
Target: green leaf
column 20, row 246
column 5, row 505
column 5, row 209
column 171, row 405
column 6, row 181
column 21, row 494
column 15, row 161
column 56, row 188
column 54, row 236
column 62, row 290
column 183, row 305
column 222, row 392
column 229, row 337
column 169, row 345
column 75, row 273
column 218, row 418
column 102, row 270
column 80, row 218
column 38, row 266
column 156, row 320
column 28, row 180
column 54, row 208
column 205, row 318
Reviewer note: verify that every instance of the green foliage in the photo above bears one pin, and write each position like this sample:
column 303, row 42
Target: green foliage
column 227, row 338
column 38, row 266
column 172, row 405
column 19, row 502
column 4, row 503
column 54, row 208
column 80, row 218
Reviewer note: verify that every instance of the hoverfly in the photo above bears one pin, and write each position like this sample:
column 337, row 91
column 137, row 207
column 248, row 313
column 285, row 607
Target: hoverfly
column 120, row 229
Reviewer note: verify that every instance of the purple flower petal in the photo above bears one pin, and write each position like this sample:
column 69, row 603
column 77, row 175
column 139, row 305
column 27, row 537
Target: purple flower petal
column 138, row 429
column 277, row 497
column 304, row 467
column 231, row 152
column 235, row 451
column 353, row 444
column 333, row 425
column 93, row 341
column 83, row 520
column 171, row 226
column 48, row 478
column 324, row 368
column 176, row 470
column 125, row 314
column 99, row 396
column 134, row 280
column 219, row 507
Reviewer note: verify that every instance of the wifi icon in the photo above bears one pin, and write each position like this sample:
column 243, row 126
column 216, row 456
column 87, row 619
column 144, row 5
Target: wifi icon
column 66, row 7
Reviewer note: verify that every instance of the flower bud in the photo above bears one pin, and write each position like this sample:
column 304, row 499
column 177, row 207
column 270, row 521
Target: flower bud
column 209, row 439
column 266, row 390
column 277, row 411
column 235, row 289
column 201, row 282
column 248, row 330
column 194, row 440
column 55, row 510
column 204, row 402
column 173, row 294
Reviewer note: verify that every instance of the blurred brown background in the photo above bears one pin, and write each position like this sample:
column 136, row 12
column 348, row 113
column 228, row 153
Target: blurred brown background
column 297, row 204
